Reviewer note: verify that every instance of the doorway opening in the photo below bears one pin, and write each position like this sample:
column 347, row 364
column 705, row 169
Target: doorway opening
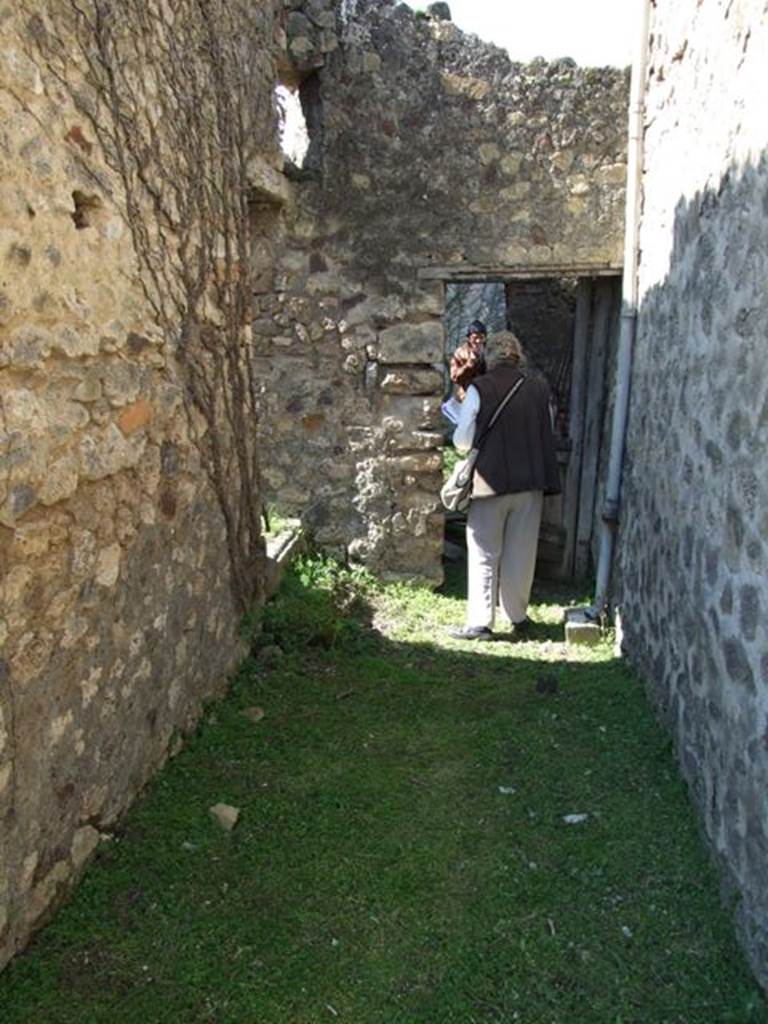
column 568, row 326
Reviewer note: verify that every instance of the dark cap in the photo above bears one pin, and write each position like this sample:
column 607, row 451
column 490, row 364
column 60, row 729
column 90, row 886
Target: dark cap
column 477, row 327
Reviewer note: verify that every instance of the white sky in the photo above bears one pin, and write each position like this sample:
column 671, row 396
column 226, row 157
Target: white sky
column 593, row 32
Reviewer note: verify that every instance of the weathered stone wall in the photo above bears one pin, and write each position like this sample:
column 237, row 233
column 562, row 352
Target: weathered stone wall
column 432, row 154
column 117, row 616
column 693, row 546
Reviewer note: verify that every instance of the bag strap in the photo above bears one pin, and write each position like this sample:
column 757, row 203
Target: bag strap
column 499, row 409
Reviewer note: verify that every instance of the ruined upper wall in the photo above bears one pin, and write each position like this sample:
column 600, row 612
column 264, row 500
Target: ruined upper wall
column 440, row 150
column 694, row 535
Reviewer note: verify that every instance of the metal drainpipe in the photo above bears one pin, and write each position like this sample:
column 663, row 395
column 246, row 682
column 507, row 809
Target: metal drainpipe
column 629, row 289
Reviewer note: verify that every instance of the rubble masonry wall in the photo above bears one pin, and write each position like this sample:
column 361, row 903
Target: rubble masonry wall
column 117, row 618
column 694, row 539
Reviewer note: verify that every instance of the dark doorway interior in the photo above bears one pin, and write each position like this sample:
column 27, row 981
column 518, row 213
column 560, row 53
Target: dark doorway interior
column 541, row 312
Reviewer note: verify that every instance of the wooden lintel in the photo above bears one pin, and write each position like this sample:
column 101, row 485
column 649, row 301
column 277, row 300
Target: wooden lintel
column 480, row 272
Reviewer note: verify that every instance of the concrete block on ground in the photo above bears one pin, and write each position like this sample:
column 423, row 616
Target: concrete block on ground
column 580, row 629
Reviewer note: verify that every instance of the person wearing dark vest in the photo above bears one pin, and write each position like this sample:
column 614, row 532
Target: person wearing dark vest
column 516, row 467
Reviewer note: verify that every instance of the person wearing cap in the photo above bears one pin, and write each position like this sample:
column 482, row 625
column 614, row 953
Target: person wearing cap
column 468, row 360
column 515, row 469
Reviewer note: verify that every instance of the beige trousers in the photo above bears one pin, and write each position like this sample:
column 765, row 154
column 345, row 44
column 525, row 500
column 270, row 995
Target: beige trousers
column 502, row 537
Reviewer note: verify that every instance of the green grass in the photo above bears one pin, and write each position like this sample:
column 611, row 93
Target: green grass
column 450, row 458
column 275, row 522
column 402, row 856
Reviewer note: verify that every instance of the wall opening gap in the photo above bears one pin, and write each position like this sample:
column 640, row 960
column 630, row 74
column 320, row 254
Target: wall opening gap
column 87, row 209
column 292, row 125
column 300, row 121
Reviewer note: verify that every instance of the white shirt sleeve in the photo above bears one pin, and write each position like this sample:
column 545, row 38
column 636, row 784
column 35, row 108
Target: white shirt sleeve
column 464, row 433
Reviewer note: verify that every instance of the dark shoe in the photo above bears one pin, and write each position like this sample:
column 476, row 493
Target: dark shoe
column 471, row 633
column 523, row 628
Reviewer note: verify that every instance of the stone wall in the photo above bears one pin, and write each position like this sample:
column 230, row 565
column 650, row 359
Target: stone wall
column 432, row 156
column 693, row 544
column 117, row 616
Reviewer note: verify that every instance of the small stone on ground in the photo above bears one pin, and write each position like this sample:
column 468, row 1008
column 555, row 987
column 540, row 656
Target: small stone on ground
column 254, row 714
column 226, row 815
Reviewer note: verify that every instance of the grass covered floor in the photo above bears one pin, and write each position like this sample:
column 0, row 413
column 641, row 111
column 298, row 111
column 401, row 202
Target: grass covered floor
column 402, row 854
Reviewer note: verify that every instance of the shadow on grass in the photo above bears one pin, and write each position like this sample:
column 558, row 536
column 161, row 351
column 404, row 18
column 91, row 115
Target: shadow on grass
column 429, row 833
